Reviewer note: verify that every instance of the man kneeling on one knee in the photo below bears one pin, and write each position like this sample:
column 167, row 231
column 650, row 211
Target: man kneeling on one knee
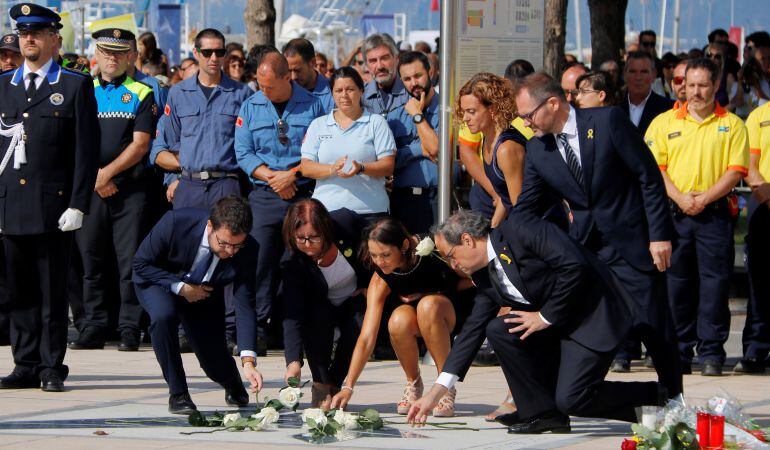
column 180, row 272
column 556, row 346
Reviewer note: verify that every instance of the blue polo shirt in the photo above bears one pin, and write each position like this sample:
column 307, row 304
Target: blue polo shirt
column 256, row 132
column 377, row 101
column 366, row 140
column 323, row 93
column 202, row 128
column 412, row 168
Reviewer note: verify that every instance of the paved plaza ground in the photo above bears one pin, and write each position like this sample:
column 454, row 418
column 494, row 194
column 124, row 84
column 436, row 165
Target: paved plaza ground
column 107, row 390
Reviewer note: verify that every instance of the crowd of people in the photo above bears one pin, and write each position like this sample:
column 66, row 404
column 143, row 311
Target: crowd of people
column 268, row 198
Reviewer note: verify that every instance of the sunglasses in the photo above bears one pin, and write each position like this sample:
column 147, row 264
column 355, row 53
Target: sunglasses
column 678, row 80
column 647, row 44
column 207, row 52
column 283, row 131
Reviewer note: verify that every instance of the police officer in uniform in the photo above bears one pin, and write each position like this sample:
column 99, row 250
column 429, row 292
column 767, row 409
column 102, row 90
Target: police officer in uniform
column 117, row 220
column 50, row 134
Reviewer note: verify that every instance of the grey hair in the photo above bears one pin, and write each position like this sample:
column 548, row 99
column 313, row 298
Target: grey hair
column 378, row 40
column 463, row 221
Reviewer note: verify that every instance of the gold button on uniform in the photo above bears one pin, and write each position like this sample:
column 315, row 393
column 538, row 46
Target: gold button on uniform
column 25, row 115
column 22, row 181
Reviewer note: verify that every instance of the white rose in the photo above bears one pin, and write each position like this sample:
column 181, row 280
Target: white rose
column 425, row 247
column 346, row 419
column 344, row 434
column 230, row 419
column 289, row 396
column 317, row 414
column 268, row 416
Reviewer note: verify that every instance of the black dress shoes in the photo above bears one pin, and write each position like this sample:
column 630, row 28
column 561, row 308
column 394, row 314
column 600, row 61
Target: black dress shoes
column 261, row 347
column 129, row 341
column 620, row 366
column 91, row 338
column 509, row 419
column 236, row 395
column 181, row 404
column 750, row 365
column 184, row 345
column 52, row 382
column 711, row 368
column 552, row 422
column 19, row 380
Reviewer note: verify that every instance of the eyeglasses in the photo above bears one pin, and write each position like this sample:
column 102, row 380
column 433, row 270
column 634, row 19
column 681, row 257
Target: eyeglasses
column 678, row 80
column 227, row 245
column 647, row 43
column 207, row 52
column 568, row 92
column 714, row 56
column 528, row 117
column 308, row 240
column 358, row 62
column 283, row 131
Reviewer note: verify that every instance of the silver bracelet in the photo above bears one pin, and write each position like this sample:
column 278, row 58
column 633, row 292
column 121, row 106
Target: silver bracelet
column 347, row 387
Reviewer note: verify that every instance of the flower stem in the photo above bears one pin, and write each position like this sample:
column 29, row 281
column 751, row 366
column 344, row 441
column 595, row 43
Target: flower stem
column 187, row 433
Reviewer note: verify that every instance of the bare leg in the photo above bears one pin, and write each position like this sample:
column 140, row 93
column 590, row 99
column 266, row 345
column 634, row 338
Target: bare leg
column 403, row 330
column 436, row 319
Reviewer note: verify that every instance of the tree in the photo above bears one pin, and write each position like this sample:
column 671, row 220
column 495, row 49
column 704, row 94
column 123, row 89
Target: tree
column 555, row 36
column 259, row 17
column 608, row 30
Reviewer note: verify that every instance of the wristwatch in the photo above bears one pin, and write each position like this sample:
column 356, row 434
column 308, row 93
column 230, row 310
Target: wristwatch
column 417, row 118
column 248, row 359
column 297, row 172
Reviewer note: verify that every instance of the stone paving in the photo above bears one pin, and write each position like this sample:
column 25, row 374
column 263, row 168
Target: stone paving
column 108, row 390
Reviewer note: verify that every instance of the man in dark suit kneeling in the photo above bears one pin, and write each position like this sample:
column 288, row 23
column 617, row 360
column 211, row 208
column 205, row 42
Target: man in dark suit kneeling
column 180, row 272
column 555, row 347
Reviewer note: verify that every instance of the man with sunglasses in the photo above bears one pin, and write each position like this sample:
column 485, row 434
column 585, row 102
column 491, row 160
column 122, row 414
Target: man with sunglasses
column 269, row 132
column 45, row 190
column 180, row 272
column 118, row 216
column 597, row 162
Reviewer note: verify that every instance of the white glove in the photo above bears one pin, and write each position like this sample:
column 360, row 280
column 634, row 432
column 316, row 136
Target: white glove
column 71, row 220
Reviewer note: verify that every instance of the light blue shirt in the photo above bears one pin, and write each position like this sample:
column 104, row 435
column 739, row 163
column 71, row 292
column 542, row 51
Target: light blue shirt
column 366, row 140
column 323, row 93
column 413, row 169
column 256, row 132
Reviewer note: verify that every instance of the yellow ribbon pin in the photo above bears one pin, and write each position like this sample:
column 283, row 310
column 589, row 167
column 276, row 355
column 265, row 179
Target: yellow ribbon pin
column 505, row 258
column 348, row 252
column 590, row 133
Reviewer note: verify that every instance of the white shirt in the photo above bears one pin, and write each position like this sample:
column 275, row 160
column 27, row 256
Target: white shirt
column 41, row 74
column 340, row 279
column 570, row 129
column 635, row 111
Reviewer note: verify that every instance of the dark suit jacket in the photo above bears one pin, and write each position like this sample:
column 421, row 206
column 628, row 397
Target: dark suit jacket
column 168, row 253
column 572, row 290
column 303, row 281
column 655, row 105
column 623, row 194
column 61, row 133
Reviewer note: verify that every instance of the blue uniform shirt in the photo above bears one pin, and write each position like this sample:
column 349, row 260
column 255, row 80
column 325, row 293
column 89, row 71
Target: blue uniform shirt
column 202, row 128
column 159, row 93
column 412, row 168
column 375, row 103
column 256, row 131
column 323, row 93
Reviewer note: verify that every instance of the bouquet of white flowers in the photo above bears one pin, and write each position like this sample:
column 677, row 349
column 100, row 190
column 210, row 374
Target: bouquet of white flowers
column 338, row 423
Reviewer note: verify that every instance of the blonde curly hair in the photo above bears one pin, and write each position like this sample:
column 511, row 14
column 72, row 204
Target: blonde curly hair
column 494, row 92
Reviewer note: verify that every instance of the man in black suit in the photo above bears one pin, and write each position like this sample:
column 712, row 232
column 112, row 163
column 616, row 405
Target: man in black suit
column 50, row 137
column 180, row 271
column 597, row 162
column 567, row 319
column 641, row 105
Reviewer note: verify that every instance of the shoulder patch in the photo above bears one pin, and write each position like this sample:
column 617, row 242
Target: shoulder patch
column 723, row 129
column 239, row 122
column 167, row 110
column 764, row 124
column 675, row 134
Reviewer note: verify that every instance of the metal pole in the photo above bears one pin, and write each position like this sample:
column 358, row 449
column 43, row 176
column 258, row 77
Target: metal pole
column 732, row 12
column 675, row 43
column 662, row 33
column 578, row 31
column 446, row 95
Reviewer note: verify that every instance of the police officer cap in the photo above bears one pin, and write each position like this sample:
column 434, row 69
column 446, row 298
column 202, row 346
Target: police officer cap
column 114, row 39
column 29, row 16
column 10, row 42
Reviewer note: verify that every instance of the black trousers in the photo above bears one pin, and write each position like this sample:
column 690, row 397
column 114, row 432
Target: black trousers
column 37, row 268
column 417, row 211
column 114, row 228
column 653, row 324
column 329, row 365
column 548, row 372
column 204, row 326
column 5, row 320
column 756, row 332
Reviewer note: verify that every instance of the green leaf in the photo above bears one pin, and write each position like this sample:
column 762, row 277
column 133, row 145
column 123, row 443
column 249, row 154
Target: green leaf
column 370, row 414
column 196, row 419
column 293, row 382
column 275, row 403
column 311, row 423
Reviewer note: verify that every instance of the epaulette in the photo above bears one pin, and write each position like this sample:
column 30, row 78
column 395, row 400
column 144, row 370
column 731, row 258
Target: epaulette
column 75, row 72
column 7, row 72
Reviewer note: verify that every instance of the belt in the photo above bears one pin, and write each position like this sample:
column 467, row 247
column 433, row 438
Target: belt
column 415, row 190
column 209, row 175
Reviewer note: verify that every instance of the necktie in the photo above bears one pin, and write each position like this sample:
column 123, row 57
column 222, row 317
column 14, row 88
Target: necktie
column 572, row 161
column 198, row 272
column 494, row 280
column 32, row 88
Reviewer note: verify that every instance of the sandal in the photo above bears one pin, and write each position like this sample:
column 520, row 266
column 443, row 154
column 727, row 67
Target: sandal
column 321, row 396
column 412, row 392
column 506, row 407
column 446, row 406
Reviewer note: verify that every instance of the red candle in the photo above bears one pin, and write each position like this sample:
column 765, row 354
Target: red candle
column 703, row 429
column 717, row 432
